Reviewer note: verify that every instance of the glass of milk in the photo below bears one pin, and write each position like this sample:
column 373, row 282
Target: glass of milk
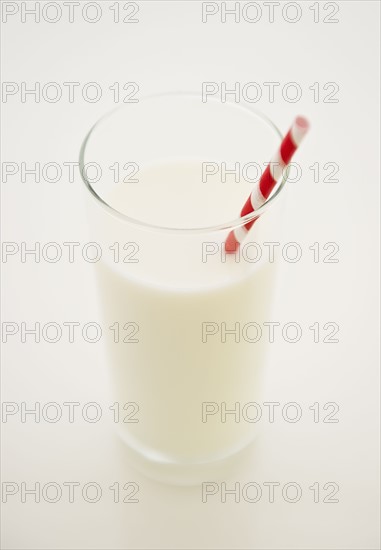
column 169, row 175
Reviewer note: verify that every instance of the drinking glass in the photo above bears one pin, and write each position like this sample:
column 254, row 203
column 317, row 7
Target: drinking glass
column 167, row 177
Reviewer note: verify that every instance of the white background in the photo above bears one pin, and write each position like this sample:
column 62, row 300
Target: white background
column 171, row 49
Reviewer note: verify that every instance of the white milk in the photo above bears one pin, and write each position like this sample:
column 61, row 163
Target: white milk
column 170, row 372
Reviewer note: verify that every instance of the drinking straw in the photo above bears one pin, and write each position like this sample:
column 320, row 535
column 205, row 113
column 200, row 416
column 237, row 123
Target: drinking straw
column 268, row 180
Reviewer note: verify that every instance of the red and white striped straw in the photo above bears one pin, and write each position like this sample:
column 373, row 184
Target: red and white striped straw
column 268, row 180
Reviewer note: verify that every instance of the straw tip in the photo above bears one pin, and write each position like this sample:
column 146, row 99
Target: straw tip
column 302, row 123
column 231, row 243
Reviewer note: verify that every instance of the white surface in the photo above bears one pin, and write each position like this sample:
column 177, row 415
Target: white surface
column 170, row 49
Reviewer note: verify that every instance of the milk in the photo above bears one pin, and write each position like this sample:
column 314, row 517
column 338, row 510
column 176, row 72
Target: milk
column 165, row 300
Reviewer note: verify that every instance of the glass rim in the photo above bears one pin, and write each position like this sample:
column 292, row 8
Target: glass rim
column 229, row 225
